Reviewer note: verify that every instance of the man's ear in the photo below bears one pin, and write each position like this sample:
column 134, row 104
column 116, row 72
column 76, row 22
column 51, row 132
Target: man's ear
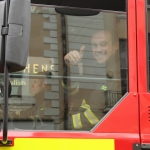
column 44, row 83
column 46, row 86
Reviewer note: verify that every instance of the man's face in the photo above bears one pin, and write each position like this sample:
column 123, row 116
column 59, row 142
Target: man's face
column 37, row 86
column 102, row 46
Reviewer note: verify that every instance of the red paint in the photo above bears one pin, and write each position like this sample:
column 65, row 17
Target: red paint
column 123, row 118
column 122, row 123
column 144, row 96
column 123, row 141
column 71, row 134
column 144, row 113
column 141, row 46
column 132, row 58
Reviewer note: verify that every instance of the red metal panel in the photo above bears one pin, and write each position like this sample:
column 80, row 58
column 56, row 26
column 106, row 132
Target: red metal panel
column 145, row 138
column 122, row 122
column 72, row 134
column 122, row 141
column 132, row 47
column 123, row 118
column 141, row 46
column 144, row 95
column 145, row 114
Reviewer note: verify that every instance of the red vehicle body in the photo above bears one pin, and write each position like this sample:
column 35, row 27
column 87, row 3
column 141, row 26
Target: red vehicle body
column 127, row 125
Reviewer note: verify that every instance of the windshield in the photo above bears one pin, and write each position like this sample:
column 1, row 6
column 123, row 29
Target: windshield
column 76, row 71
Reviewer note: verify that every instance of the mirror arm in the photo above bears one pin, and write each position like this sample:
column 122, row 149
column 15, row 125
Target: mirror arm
column 5, row 141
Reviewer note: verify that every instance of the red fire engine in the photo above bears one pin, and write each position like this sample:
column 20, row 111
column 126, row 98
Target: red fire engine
column 82, row 82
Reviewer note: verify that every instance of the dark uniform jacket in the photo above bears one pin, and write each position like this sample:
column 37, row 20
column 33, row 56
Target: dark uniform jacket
column 30, row 119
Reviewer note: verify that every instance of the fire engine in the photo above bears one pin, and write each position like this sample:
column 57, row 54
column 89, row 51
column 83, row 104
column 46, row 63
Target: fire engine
column 74, row 74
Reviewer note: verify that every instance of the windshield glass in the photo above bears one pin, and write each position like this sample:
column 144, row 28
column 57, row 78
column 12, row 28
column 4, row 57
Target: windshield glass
column 76, row 71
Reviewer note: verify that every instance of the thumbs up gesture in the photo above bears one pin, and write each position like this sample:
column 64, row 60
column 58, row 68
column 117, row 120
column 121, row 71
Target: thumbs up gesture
column 74, row 57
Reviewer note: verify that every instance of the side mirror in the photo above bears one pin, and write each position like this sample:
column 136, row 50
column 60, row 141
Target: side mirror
column 15, row 21
column 18, row 36
column 2, row 43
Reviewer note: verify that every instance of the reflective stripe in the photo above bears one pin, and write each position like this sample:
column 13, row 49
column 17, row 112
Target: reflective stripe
column 89, row 114
column 77, row 121
column 17, row 113
column 75, row 85
column 84, row 105
column 104, row 87
column 91, row 117
column 42, row 109
column 31, row 117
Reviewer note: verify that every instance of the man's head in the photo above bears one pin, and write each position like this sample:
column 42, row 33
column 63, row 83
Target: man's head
column 103, row 46
column 39, row 85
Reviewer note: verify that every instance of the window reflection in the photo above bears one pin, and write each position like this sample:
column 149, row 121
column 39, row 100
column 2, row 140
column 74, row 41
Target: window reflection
column 76, row 71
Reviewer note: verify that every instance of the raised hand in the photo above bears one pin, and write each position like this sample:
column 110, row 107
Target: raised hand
column 74, row 57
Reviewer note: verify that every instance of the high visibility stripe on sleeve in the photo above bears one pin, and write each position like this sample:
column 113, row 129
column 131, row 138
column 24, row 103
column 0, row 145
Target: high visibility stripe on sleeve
column 91, row 117
column 77, row 121
column 84, row 105
column 89, row 114
column 104, row 87
column 42, row 109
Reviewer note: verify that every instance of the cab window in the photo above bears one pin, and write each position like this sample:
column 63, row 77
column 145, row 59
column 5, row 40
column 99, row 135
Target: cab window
column 76, row 71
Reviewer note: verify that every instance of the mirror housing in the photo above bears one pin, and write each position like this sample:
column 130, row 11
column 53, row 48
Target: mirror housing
column 18, row 38
column 2, row 43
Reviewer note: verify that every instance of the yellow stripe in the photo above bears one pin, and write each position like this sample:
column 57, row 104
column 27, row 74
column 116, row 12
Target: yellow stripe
column 61, row 144
column 84, row 105
column 72, row 87
column 77, row 121
column 92, row 119
column 104, row 87
column 74, row 121
column 89, row 114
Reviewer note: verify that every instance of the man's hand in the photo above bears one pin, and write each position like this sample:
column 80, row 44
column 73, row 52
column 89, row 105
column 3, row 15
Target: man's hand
column 74, row 57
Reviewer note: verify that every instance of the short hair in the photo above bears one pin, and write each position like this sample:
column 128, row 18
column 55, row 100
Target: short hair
column 45, row 75
column 113, row 35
